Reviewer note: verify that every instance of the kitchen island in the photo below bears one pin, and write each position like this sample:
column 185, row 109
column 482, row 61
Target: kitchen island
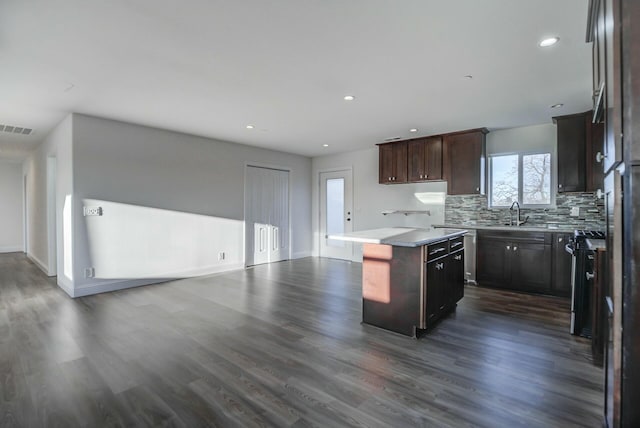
column 411, row 277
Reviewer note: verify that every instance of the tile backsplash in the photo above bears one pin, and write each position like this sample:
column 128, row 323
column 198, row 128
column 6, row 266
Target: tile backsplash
column 473, row 209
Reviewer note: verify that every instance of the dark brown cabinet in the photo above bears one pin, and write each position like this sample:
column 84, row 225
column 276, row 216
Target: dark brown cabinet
column 392, row 164
column 463, row 157
column 561, row 265
column 518, row 261
column 444, row 278
column 458, row 157
column 572, row 137
column 425, row 159
column 580, row 146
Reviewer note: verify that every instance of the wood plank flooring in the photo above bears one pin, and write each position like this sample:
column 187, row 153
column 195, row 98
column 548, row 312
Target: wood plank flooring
column 282, row 345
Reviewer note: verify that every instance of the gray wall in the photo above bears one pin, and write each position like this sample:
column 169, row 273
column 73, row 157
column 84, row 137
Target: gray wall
column 138, row 165
column 11, row 207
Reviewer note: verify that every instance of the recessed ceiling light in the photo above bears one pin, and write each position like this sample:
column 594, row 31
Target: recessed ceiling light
column 413, row 130
column 325, row 145
column 468, row 76
column 557, row 105
column 349, row 98
column 548, row 42
column 249, row 126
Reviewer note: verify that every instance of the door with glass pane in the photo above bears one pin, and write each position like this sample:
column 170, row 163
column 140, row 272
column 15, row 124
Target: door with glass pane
column 336, row 214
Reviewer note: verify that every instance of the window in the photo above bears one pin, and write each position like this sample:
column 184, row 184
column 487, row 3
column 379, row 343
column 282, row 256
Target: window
column 521, row 177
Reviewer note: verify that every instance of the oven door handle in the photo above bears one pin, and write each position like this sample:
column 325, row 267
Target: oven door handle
column 569, row 249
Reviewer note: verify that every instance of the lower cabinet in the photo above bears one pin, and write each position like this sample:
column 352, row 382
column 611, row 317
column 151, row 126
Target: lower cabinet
column 444, row 284
column 519, row 261
column 561, row 266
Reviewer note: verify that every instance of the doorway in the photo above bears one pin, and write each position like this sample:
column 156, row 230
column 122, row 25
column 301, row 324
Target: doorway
column 266, row 215
column 336, row 213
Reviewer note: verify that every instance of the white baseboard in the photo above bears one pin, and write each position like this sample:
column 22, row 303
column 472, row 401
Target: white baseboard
column 301, row 255
column 11, row 249
column 66, row 285
column 39, row 263
column 105, row 286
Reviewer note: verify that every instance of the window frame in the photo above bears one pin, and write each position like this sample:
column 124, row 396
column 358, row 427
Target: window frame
column 521, row 154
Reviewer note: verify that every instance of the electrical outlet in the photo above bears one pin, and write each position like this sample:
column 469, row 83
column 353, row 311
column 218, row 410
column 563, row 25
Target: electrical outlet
column 221, row 256
column 89, row 272
column 575, row 212
column 90, row 211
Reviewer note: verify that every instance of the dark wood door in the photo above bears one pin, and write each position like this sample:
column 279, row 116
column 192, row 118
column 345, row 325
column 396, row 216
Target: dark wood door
column 416, row 155
column 400, row 162
column 572, row 137
column 561, row 265
column 433, row 158
column 531, row 266
column 385, row 163
column 456, row 277
column 463, row 157
column 595, row 169
column 493, row 262
column 436, row 287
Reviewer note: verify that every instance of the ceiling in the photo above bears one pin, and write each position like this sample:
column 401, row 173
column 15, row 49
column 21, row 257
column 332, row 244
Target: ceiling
column 211, row 67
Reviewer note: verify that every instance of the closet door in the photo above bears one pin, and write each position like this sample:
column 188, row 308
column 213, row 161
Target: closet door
column 266, row 215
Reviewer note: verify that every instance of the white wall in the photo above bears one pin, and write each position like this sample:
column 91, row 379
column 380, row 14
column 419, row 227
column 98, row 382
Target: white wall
column 371, row 198
column 57, row 144
column 11, row 207
column 137, row 165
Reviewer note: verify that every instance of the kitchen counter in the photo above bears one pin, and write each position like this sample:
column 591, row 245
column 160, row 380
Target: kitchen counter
column 400, row 236
column 597, row 244
column 507, row 228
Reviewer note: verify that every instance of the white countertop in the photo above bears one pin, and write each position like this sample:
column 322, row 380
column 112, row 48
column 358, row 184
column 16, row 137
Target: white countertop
column 525, row 228
column 399, row 236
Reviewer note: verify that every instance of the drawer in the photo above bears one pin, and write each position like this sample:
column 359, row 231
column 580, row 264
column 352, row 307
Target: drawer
column 436, row 250
column 456, row 244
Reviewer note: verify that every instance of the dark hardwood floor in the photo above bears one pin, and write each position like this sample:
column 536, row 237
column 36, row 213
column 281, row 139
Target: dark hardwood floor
column 282, row 345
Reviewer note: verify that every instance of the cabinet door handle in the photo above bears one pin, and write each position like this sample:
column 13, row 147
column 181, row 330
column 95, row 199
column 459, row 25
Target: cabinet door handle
column 515, row 248
column 589, row 276
column 456, row 244
column 389, row 179
column 439, row 266
column 600, row 157
column 436, row 251
column 559, row 186
column 508, row 247
column 477, row 189
column 559, row 239
column 458, row 257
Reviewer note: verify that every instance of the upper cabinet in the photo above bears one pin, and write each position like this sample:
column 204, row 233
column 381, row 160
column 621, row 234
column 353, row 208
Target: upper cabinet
column 392, row 167
column 425, row 159
column 458, row 157
column 607, row 94
column 464, row 161
column 580, row 145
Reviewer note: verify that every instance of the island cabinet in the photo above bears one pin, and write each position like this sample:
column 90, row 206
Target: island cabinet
column 425, row 159
column 392, row 165
column 519, row 261
column 464, row 157
column 407, row 289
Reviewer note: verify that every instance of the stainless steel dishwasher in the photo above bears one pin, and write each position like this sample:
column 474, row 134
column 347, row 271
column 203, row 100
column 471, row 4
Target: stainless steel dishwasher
column 470, row 240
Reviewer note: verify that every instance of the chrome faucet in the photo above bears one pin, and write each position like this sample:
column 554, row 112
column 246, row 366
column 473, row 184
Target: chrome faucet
column 518, row 221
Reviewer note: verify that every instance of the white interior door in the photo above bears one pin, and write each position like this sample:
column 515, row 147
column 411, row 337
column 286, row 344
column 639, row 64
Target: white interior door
column 335, row 213
column 266, row 215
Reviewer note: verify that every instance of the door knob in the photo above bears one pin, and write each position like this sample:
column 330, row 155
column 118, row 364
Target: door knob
column 348, row 219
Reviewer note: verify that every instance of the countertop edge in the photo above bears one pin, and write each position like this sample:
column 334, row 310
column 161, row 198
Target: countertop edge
column 503, row 228
column 400, row 243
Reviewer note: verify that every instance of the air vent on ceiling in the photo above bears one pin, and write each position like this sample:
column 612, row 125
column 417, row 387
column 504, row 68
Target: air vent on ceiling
column 15, row 129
